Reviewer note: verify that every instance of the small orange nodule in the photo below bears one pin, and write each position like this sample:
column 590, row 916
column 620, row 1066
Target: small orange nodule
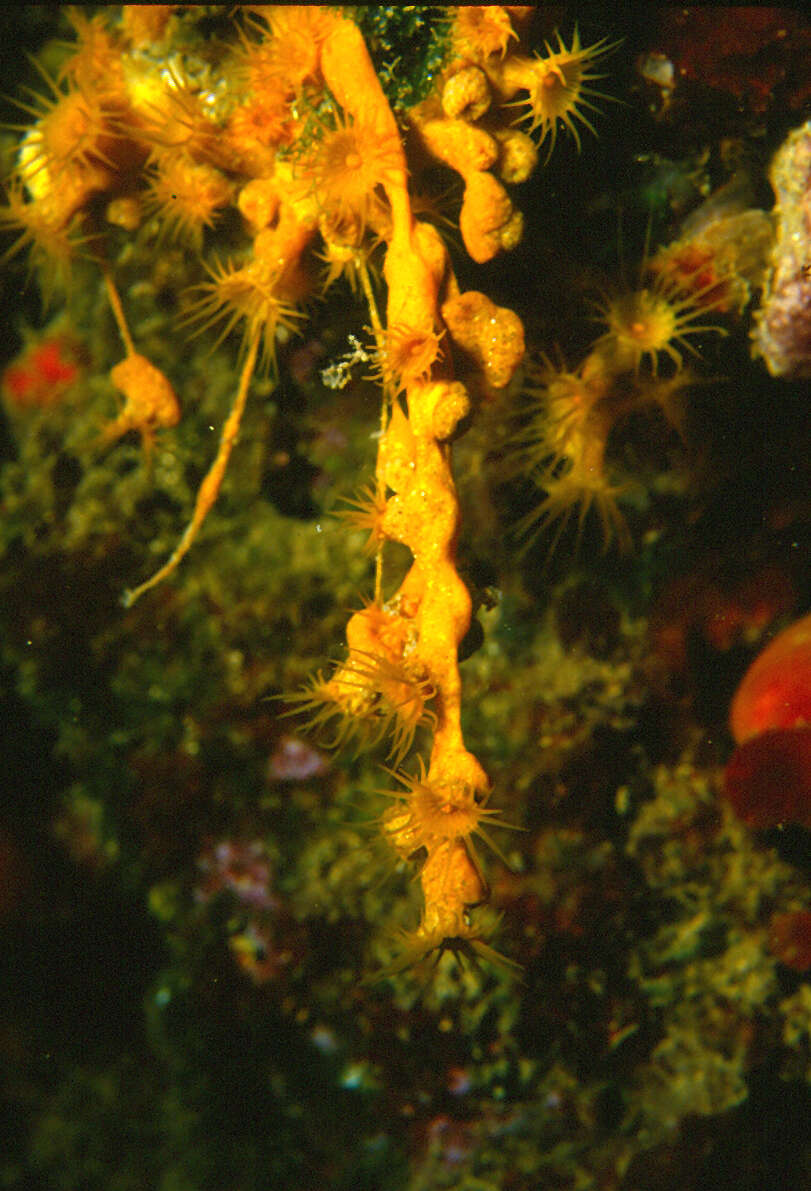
column 150, row 403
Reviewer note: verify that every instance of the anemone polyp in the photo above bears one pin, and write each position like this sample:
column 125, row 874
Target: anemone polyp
column 348, row 164
column 428, row 813
column 366, row 698
column 577, row 486
column 558, row 86
column 187, row 196
column 73, row 130
column 366, row 511
column 481, row 30
column 407, row 355
column 50, row 227
column 234, row 294
column 559, row 404
column 651, row 322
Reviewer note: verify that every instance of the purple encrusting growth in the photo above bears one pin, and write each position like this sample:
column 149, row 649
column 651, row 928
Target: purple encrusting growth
column 782, row 335
column 242, row 868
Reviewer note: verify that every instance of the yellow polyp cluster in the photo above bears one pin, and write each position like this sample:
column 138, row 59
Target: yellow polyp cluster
column 366, row 699
column 557, row 85
column 469, row 122
column 381, row 689
column 567, row 416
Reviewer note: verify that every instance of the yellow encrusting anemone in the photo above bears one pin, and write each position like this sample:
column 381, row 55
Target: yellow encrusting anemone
column 283, row 139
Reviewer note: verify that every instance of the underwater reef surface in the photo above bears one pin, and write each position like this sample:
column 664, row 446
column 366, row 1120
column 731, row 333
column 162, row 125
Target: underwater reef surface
column 265, row 921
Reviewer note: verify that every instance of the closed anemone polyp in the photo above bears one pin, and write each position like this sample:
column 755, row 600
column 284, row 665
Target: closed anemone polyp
column 407, row 356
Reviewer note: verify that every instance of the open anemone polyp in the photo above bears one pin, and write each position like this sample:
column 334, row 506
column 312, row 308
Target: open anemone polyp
column 578, row 485
column 366, row 698
column 365, row 511
column 556, row 411
column 250, row 294
column 652, row 322
column 429, row 813
column 348, row 166
column 407, row 355
column 558, row 87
